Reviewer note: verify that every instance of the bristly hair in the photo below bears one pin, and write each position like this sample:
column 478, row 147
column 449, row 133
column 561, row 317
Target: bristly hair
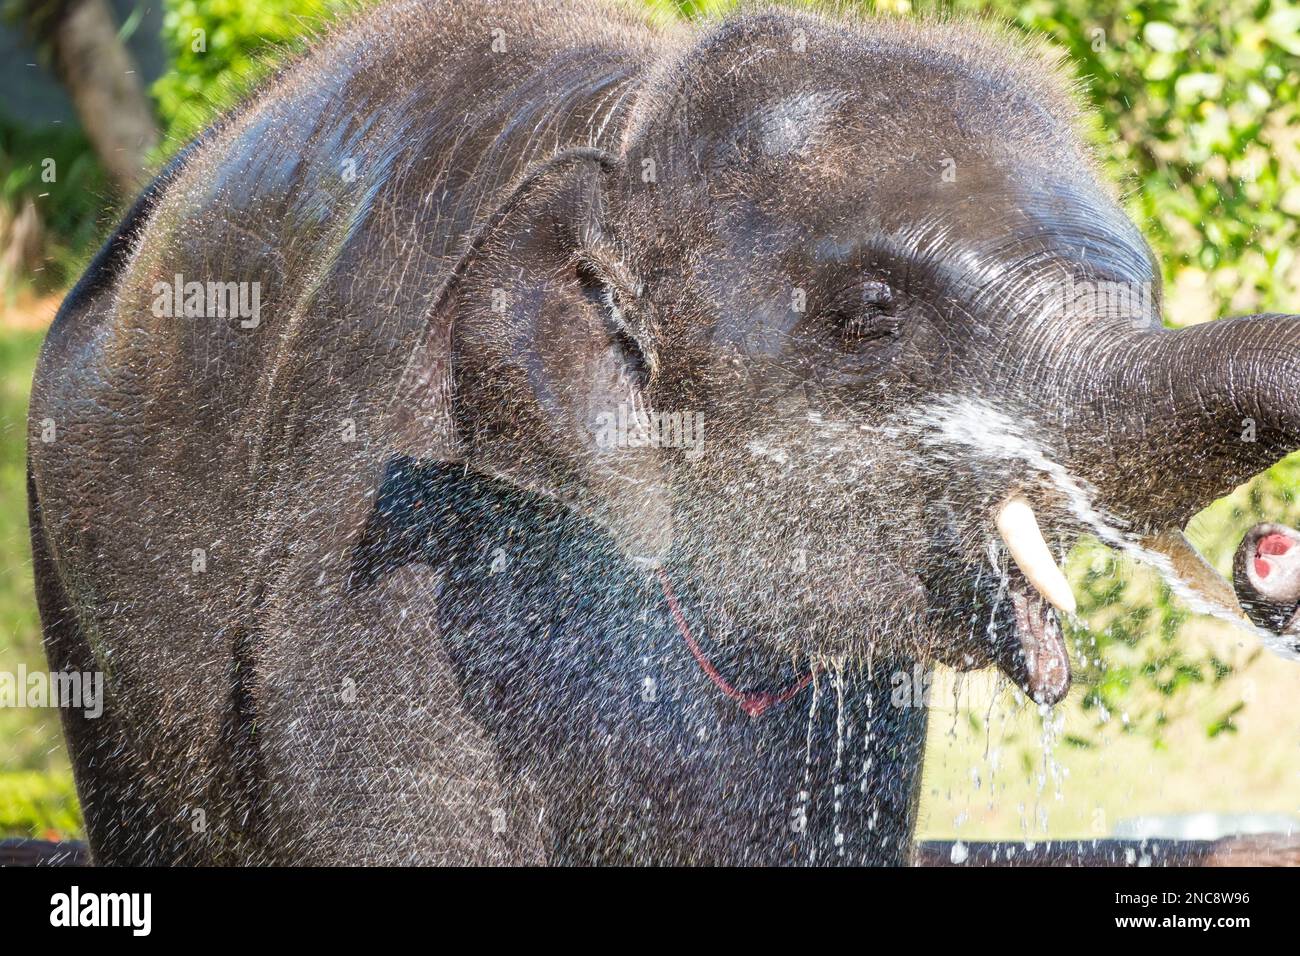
column 987, row 46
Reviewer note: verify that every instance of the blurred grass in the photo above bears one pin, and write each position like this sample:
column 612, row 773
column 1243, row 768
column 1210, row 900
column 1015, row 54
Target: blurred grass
column 36, row 795
column 42, row 805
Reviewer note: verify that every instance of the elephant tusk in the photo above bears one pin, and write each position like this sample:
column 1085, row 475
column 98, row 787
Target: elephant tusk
column 1019, row 530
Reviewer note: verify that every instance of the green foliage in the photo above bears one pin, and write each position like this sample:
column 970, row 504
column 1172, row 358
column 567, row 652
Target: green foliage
column 69, row 206
column 220, row 49
column 37, row 19
column 688, row 9
column 1134, row 654
column 28, row 737
column 41, row 806
column 1200, row 106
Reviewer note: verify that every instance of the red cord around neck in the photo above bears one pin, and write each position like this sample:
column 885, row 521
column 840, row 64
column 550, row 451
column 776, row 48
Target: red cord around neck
column 753, row 704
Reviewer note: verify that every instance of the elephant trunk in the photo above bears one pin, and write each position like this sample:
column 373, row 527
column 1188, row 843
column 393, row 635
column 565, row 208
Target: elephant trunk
column 1163, row 422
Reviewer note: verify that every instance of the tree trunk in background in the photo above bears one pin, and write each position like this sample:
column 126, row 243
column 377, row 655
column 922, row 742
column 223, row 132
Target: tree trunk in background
column 100, row 76
column 21, row 241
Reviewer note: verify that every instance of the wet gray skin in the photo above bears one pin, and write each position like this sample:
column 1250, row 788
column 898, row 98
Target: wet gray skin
column 375, row 576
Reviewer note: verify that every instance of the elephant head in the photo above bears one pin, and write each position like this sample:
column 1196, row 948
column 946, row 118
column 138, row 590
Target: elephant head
column 851, row 336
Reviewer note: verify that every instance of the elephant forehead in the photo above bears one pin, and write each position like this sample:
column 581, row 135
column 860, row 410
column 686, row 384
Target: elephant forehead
column 767, row 87
column 792, row 125
column 814, row 163
column 988, row 222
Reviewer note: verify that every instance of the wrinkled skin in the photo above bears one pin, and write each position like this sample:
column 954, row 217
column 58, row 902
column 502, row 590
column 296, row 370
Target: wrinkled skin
column 368, row 579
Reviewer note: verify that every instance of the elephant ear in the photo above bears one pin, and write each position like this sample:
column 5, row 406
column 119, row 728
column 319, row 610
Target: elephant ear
column 540, row 366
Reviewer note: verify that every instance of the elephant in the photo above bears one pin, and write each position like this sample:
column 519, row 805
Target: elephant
column 526, row 433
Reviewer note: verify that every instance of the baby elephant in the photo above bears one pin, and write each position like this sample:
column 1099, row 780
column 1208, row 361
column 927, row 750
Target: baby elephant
column 529, row 432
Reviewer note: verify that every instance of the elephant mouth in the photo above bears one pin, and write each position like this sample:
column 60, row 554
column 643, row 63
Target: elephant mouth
column 1030, row 642
column 1012, row 620
column 1033, row 652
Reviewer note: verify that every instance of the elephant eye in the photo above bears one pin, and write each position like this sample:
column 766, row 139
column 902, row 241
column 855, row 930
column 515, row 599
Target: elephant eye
column 865, row 313
column 606, row 298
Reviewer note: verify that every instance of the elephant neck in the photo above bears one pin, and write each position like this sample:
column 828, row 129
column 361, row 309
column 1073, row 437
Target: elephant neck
column 577, row 667
column 754, row 703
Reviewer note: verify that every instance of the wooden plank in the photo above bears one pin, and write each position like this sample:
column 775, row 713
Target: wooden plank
column 43, row 853
column 1271, row 849
column 1268, row 849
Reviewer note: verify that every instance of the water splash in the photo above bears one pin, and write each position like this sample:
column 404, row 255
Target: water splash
column 837, row 681
column 982, row 431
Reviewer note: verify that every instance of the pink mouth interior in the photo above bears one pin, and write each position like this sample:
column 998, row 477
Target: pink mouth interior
column 1273, row 544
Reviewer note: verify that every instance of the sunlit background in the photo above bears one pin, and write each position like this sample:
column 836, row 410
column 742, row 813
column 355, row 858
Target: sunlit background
column 1173, row 716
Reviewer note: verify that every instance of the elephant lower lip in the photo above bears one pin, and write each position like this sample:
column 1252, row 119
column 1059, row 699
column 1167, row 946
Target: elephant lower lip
column 1034, row 655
